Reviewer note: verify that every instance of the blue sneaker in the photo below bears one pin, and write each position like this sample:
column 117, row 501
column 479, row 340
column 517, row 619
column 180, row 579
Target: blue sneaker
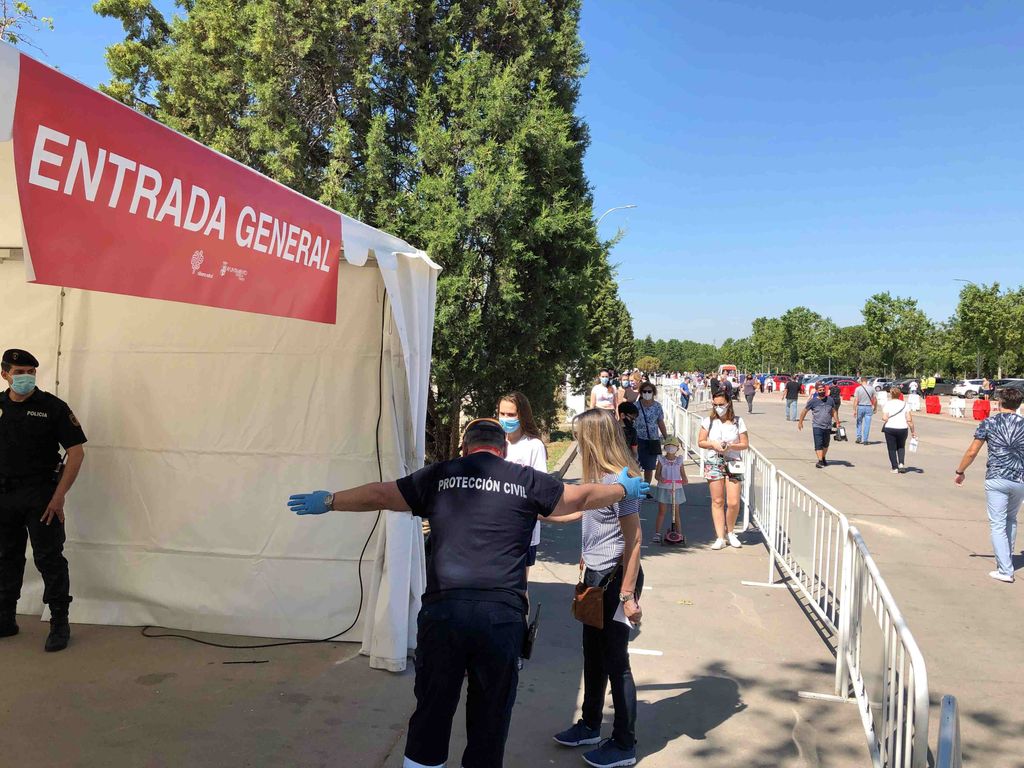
column 610, row 754
column 578, row 735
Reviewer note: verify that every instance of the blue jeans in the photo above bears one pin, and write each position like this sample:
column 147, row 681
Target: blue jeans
column 791, row 414
column 863, row 422
column 1004, row 498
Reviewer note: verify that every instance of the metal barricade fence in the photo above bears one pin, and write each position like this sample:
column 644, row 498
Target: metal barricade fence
column 880, row 659
column 825, row 560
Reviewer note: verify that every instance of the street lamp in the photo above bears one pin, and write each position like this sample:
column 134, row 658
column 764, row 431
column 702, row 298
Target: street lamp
column 616, row 208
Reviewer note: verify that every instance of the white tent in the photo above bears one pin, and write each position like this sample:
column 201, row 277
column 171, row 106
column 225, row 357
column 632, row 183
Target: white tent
column 201, row 420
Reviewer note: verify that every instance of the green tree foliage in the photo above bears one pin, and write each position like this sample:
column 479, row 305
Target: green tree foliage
column 986, row 335
column 648, row 364
column 991, row 324
column 451, row 124
column 898, row 329
column 18, row 22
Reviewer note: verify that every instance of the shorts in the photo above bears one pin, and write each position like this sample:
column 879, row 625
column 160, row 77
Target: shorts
column 531, row 557
column 663, row 494
column 648, row 461
column 717, row 469
column 822, row 437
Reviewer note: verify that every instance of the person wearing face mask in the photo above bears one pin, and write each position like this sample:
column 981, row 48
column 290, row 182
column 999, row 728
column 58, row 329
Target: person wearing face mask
column 723, row 436
column 824, row 414
column 525, row 448
column 650, row 428
column 671, row 477
column 627, row 392
column 603, row 395
column 34, row 482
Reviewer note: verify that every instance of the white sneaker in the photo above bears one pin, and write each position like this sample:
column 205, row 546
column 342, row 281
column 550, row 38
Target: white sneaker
column 997, row 575
column 894, row 471
column 719, row 544
column 734, row 540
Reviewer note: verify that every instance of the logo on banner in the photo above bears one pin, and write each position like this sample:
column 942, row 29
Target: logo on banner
column 236, row 271
column 197, row 262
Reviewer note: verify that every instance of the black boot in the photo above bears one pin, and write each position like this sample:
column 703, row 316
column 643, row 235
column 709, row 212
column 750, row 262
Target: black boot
column 60, row 631
column 8, row 626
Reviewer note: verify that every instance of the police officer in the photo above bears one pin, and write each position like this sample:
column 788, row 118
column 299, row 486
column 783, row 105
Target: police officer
column 33, row 485
column 482, row 510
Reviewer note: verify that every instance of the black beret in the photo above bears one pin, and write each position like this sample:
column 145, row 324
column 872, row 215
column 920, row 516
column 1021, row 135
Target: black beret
column 20, row 357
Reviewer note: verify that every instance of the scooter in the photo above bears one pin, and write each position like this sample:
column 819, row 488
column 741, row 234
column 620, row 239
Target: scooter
column 675, row 536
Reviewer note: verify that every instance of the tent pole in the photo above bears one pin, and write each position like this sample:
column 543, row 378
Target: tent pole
column 60, row 338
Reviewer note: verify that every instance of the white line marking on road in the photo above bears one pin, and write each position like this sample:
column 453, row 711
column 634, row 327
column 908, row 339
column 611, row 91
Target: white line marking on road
column 644, row 652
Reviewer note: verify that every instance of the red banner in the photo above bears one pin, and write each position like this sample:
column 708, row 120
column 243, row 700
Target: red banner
column 112, row 201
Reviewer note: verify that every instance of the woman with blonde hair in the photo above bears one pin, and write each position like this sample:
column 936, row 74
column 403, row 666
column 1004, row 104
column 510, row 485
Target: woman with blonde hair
column 525, row 447
column 723, row 435
column 610, row 559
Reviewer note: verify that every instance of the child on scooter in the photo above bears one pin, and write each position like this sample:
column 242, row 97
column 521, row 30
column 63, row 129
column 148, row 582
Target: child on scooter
column 671, row 477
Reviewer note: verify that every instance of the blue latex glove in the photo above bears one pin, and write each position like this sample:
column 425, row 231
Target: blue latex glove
column 635, row 487
column 314, row 503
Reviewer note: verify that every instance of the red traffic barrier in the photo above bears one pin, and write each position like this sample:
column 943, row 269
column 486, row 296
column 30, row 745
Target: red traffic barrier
column 981, row 409
column 847, row 392
column 932, row 404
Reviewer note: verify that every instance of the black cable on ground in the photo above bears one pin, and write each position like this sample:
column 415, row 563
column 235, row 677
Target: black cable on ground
column 359, row 565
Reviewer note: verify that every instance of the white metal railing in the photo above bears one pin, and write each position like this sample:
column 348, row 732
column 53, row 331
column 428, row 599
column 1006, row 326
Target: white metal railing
column 805, row 537
column 950, row 753
column 825, row 560
column 880, row 659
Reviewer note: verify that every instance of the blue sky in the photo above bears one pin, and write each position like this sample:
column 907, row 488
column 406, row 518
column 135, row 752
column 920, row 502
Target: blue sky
column 779, row 153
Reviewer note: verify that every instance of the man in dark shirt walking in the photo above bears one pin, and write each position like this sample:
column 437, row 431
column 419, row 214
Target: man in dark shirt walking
column 792, row 396
column 823, row 411
column 482, row 511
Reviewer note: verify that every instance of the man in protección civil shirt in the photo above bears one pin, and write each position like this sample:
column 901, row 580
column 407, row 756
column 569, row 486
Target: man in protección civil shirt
column 482, row 510
column 33, row 484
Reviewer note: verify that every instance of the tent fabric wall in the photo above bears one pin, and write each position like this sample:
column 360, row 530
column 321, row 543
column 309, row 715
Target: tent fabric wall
column 200, row 422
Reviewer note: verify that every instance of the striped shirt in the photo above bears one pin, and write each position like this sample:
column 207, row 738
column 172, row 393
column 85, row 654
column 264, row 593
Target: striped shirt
column 603, row 542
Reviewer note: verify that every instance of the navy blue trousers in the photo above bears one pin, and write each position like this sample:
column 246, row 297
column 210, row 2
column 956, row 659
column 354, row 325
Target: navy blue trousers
column 455, row 637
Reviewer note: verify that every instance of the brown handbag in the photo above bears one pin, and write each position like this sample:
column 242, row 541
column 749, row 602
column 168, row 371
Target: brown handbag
column 588, row 602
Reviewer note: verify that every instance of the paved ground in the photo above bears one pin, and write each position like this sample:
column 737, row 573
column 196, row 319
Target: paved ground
column 722, row 692
column 931, row 542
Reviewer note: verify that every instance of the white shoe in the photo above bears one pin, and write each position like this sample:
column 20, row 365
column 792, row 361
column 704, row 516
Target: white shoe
column 719, row 544
column 734, row 540
column 997, row 575
column 894, row 471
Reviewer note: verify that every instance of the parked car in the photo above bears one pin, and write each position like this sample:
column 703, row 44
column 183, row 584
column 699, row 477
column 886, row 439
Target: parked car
column 944, row 386
column 1003, row 383
column 968, row 388
column 880, row 382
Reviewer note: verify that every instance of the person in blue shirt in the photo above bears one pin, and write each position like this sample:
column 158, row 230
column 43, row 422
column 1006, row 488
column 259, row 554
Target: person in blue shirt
column 684, row 393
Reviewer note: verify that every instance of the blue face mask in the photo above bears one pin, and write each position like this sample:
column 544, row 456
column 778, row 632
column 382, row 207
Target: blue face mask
column 23, row 383
column 509, row 425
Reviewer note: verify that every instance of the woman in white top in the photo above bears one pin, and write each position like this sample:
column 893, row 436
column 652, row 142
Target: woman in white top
column 896, row 424
column 723, row 436
column 604, row 395
column 525, row 448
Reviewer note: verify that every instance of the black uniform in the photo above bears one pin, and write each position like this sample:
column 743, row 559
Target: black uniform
column 30, row 435
column 482, row 510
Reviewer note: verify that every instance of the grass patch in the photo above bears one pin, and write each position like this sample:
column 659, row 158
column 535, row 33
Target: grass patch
column 558, row 443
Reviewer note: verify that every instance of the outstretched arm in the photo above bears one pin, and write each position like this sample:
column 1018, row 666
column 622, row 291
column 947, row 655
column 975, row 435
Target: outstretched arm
column 364, row 498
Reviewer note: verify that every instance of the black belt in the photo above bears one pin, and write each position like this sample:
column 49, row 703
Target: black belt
column 505, row 596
